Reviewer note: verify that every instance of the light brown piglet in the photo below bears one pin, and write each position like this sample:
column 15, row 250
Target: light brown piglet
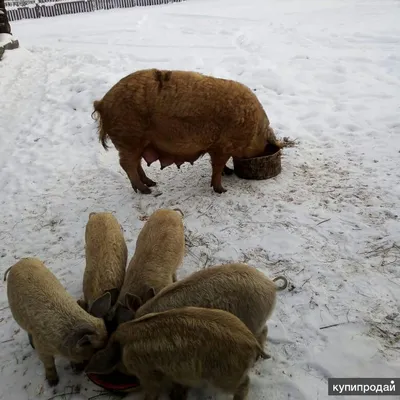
column 160, row 248
column 237, row 288
column 106, row 257
column 186, row 347
column 177, row 117
column 56, row 324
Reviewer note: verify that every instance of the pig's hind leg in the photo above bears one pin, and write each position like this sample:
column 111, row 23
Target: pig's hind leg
column 149, row 155
column 262, row 339
column 130, row 163
column 262, row 336
column 218, row 162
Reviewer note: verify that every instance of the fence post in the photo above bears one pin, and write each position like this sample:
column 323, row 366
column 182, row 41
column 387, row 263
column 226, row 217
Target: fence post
column 38, row 9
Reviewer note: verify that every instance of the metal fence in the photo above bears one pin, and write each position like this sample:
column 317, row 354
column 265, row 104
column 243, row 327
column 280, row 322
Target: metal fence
column 17, row 10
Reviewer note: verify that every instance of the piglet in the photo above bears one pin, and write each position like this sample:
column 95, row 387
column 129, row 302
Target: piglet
column 160, row 249
column 182, row 348
column 55, row 323
column 237, row 288
column 106, row 258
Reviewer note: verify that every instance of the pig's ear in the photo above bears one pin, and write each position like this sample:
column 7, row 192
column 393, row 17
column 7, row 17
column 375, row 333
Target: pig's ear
column 132, row 302
column 101, row 306
column 79, row 336
column 82, row 303
column 114, row 295
column 105, row 361
column 123, row 314
column 149, row 295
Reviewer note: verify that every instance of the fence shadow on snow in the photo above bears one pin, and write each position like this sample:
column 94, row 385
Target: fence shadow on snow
column 46, row 8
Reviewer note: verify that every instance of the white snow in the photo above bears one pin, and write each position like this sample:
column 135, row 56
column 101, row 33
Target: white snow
column 5, row 38
column 328, row 74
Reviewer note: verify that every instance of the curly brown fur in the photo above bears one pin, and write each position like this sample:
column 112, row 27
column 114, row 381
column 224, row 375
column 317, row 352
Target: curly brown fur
column 178, row 116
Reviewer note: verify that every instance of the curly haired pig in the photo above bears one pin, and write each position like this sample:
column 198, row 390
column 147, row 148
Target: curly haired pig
column 177, row 117
column 106, row 258
column 160, row 248
column 237, row 288
column 183, row 347
column 56, row 324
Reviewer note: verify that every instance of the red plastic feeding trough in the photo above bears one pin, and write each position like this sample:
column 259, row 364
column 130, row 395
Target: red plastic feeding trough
column 116, row 382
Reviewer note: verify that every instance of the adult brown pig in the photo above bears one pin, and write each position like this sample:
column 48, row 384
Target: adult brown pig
column 182, row 348
column 237, row 288
column 56, row 324
column 178, row 116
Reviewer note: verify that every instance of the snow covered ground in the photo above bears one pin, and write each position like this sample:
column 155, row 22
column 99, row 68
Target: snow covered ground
column 328, row 74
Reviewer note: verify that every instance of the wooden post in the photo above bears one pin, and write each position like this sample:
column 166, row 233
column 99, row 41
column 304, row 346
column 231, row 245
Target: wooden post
column 6, row 40
column 5, row 26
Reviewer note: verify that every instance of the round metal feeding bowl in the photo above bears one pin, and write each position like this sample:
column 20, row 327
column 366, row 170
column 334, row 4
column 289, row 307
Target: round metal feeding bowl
column 116, row 382
column 263, row 167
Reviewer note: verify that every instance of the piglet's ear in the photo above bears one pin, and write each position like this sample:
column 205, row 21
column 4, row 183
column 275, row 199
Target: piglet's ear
column 123, row 314
column 85, row 340
column 114, row 293
column 101, row 306
column 149, row 295
column 82, row 303
column 105, row 361
column 132, row 302
column 79, row 336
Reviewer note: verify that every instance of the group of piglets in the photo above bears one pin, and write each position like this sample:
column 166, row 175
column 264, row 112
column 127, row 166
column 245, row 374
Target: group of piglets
column 172, row 335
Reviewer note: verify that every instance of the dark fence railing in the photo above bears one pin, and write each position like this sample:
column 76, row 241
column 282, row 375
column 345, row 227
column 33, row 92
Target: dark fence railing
column 49, row 8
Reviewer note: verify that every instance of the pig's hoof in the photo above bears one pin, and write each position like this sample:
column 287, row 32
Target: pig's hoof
column 145, row 190
column 148, row 182
column 53, row 381
column 219, row 189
